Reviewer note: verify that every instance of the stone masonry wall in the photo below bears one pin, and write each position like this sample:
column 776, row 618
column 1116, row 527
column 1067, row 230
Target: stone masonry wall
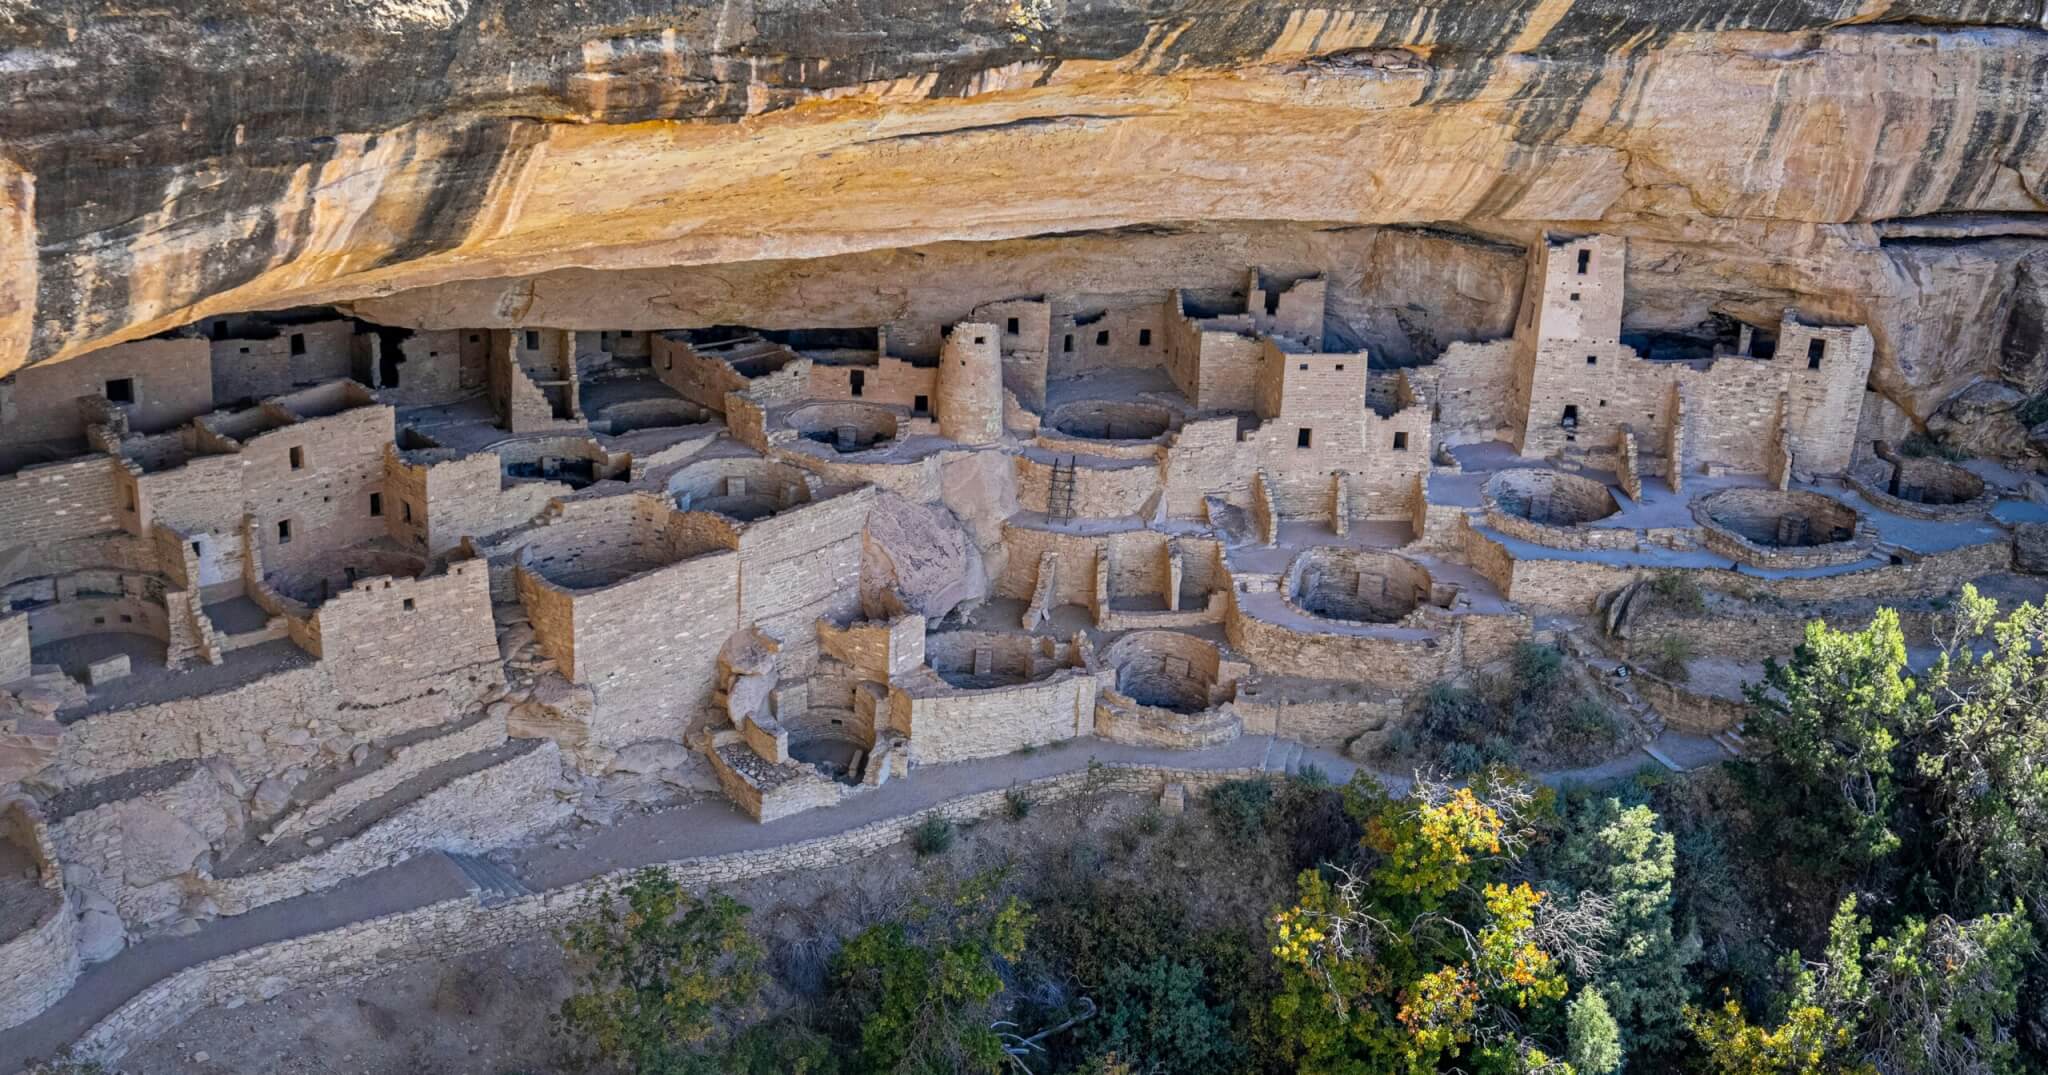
column 494, row 807
column 387, row 638
column 14, row 648
column 962, row 725
column 172, row 383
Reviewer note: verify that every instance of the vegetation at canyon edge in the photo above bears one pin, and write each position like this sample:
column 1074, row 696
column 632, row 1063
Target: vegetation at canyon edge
column 1863, row 893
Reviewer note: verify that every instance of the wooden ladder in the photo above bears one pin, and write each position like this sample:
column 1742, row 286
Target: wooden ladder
column 1059, row 497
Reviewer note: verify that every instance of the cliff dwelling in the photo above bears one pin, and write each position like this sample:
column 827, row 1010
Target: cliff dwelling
column 775, row 430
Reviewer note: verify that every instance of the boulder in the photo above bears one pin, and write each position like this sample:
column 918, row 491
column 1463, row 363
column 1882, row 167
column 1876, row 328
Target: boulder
column 917, row 558
column 2030, row 548
column 100, row 932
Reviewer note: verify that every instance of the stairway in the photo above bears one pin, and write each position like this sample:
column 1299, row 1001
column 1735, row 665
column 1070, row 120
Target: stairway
column 1059, row 495
column 1282, row 756
column 490, row 882
column 1731, row 740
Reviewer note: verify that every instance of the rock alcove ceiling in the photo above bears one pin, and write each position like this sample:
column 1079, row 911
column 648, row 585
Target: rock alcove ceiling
column 627, row 164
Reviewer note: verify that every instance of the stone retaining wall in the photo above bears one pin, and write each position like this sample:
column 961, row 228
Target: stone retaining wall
column 501, row 805
column 444, row 930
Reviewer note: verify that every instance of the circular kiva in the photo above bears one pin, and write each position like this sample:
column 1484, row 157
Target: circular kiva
column 845, row 427
column 1356, row 585
column 1550, row 497
column 1922, row 488
column 1782, row 529
column 1165, row 670
column 1106, row 420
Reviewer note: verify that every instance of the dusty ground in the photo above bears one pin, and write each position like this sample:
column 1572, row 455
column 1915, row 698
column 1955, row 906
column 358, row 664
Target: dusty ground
column 487, row 1014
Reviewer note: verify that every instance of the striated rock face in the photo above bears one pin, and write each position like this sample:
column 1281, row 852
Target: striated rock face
column 625, row 163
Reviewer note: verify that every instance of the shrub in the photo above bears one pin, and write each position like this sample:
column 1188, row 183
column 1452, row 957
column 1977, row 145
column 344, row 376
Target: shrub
column 1240, row 806
column 1449, row 714
column 933, row 836
column 1463, row 759
column 1150, row 822
column 1017, row 803
column 1671, row 657
column 1499, row 750
column 1538, row 669
column 1677, row 591
column 1312, row 776
column 1587, row 722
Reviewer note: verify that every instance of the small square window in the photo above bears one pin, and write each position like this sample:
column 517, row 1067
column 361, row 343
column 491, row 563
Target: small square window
column 474, row 338
column 1603, row 403
column 981, row 339
column 1304, row 366
column 1575, row 296
column 1102, row 338
column 99, row 621
column 1302, row 437
column 126, row 618
column 1400, row 442
column 284, row 531
column 376, row 504
column 626, row 334
column 1340, row 367
column 298, row 343
column 920, row 404
column 1011, row 326
column 533, row 338
column 121, row 390
column 1592, row 360
column 1144, row 337
column 408, row 604
column 244, row 350
column 298, row 458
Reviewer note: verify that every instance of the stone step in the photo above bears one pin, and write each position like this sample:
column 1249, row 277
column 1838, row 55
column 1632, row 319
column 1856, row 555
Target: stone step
column 1662, row 758
column 492, row 883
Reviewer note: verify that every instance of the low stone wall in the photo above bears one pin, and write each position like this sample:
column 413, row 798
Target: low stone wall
column 406, row 763
column 500, row 805
column 1694, row 712
column 455, row 927
column 1121, row 720
column 41, row 964
column 1320, row 722
column 1562, row 537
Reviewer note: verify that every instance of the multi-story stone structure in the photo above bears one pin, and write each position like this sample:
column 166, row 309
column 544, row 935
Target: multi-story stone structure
column 284, row 598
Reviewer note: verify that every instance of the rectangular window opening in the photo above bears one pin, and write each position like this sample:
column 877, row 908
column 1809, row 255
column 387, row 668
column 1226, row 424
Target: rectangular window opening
column 1571, row 416
column 298, row 343
column 856, row 382
column 1340, row 367
column 981, row 339
column 197, row 550
column 1304, row 366
column 1815, row 351
column 284, row 531
column 405, row 510
column 298, row 458
column 1011, row 326
column 1585, row 261
column 1144, row 337
column 408, row 604
column 1400, row 442
column 1102, row 338
column 121, row 390
column 1592, row 360
column 1575, row 296
column 920, row 404
column 1068, row 344
column 1303, row 437
column 376, row 503
column 532, row 340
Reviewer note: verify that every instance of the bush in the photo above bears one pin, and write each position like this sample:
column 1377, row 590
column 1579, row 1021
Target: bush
column 1312, row 776
column 933, row 836
column 1463, row 759
column 1538, row 669
column 1588, row 723
column 1450, row 714
column 1240, row 806
column 1671, row 657
column 1017, row 803
column 1677, row 591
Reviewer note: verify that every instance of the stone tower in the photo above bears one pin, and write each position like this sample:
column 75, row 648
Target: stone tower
column 970, row 384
